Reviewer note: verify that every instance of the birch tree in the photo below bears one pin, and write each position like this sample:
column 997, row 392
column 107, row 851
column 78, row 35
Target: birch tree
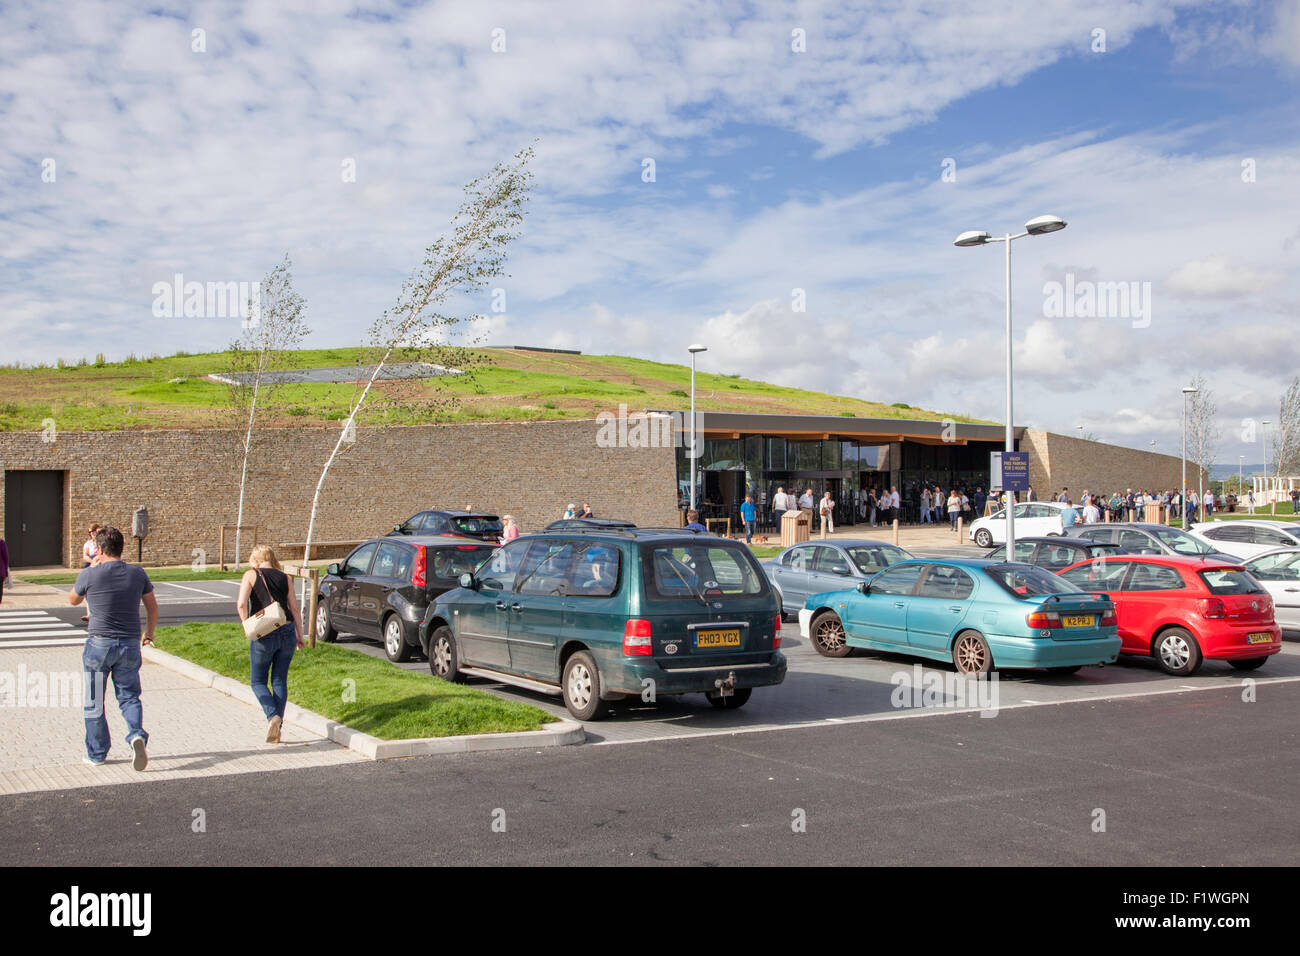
column 1203, row 432
column 275, row 327
column 418, row 326
column 1286, row 450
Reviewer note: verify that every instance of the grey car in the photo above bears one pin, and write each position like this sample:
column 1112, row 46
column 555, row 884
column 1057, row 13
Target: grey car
column 812, row 567
column 1146, row 538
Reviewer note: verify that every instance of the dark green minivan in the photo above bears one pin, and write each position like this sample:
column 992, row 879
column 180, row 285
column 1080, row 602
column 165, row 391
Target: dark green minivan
column 597, row 616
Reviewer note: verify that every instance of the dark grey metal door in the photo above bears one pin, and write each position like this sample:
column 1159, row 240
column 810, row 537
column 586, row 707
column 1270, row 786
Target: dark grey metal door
column 34, row 518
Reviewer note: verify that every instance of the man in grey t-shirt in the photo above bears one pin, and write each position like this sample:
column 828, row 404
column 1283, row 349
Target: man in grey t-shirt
column 116, row 590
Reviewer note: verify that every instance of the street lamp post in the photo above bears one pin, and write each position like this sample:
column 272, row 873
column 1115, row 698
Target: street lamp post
column 1240, row 486
column 694, row 350
column 1039, row 226
column 1271, row 509
column 1188, row 390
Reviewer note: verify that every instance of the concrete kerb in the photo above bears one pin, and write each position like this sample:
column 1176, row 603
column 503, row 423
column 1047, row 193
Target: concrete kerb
column 561, row 733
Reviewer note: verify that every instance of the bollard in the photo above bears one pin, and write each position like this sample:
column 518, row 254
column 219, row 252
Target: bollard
column 895, row 531
column 961, row 538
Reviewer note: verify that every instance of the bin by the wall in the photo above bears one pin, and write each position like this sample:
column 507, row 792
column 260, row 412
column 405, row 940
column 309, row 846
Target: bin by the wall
column 1154, row 513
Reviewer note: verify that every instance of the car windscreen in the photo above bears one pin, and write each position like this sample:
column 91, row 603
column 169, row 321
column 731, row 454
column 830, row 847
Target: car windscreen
column 1230, row 581
column 872, row 558
column 700, row 572
column 1027, row 580
column 477, row 524
column 1180, row 542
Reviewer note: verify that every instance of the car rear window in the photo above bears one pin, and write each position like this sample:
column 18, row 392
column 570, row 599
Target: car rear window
column 700, row 572
column 446, row 565
column 1026, row 580
column 477, row 524
column 1230, row 581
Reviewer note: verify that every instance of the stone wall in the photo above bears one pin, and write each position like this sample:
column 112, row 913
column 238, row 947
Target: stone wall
column 1057, row 461
column 188, row 479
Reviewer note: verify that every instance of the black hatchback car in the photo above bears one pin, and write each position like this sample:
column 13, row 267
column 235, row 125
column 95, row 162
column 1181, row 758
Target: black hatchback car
column 461, row 524
column 1055, row 553
column 381, row 589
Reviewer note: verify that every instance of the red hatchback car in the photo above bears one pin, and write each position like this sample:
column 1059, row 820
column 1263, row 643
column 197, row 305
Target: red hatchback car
column 1181, row 610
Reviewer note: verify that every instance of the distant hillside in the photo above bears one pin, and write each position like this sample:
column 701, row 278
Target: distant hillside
column 1224, row 472
column 514, row 385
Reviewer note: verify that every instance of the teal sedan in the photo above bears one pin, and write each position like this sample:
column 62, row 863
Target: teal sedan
column 979, row 614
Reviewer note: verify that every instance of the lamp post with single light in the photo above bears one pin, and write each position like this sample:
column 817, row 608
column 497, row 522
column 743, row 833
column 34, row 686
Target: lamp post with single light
column 694, row 350
column 1188, row 391
column 1040, row 226
column 1267, row 489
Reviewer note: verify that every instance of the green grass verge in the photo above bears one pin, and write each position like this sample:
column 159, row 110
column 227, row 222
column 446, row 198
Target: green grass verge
column 391, row 703
column 186, row 573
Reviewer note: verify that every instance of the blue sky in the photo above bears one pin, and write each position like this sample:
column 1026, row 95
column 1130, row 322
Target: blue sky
column 775, row 171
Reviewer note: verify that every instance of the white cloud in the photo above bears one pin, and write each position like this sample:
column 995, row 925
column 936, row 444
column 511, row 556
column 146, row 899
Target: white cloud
column 1218, row 277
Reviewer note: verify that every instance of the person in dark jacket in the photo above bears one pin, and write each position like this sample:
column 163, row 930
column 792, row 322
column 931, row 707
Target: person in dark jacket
column 269, row 656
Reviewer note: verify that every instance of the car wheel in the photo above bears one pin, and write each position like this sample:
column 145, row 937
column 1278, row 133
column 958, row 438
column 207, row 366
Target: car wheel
column 984, row 538
column 1177, row 652
column 444, row 658
column 828, row 635
column 1249, row 664
column 395, row 646
column 738, row 698
column 581, row 687
column 324, row 624
column 1065, row 670
column 971, row 654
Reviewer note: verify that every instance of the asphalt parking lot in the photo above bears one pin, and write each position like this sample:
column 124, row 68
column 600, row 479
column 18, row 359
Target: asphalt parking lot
column 871, row 686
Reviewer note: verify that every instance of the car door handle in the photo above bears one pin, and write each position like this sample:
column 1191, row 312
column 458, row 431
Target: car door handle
column 956, row 609
column 516, row 608
column 900, row 604
column 501, row 605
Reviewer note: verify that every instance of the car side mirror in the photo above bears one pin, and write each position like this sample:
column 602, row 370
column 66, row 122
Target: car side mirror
column 840, row 569
column 332, row 569
column 864, row 587
column 467, row 581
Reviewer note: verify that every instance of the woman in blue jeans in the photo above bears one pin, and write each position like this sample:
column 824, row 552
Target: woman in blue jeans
column 269, row 656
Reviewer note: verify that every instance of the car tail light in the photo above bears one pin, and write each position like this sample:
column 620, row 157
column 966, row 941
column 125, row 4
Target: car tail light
column 466, row 547
column 636, row 638
column 776, row 634
column 1108, row 619
column 1040, row 619
column 417, row 576
column 1215, row 609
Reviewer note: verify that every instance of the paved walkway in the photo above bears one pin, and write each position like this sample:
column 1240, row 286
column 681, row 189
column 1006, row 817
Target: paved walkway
column 194, row 731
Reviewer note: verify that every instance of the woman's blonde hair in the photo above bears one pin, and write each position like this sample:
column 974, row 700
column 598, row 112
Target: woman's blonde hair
column 264, row 552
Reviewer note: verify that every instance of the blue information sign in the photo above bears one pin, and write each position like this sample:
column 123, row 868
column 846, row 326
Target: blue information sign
column 1009, row 470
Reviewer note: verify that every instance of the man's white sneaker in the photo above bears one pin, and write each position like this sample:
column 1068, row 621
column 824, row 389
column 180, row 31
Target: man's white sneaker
column 273, row 730
column 141, row 757
column 93, row 763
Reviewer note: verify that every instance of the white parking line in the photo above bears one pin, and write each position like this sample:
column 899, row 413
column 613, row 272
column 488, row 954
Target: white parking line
column 914, row 713
column 183, row 587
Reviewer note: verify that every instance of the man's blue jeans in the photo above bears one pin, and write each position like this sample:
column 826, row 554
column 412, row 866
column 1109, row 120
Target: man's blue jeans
column 271, row 655
column 119, row 658
column 749, row 531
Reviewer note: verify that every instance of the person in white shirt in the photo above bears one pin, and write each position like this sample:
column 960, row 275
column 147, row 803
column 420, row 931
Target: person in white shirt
column 827, row 510
column 1091, row 513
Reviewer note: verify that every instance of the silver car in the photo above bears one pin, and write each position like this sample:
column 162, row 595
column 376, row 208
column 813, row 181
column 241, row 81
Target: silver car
column 1279, row 572
column 815, row 566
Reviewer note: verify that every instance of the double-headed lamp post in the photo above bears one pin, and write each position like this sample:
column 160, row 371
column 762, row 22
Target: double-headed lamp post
column 1188, row 391
column 694, row 350
column 1040, row 226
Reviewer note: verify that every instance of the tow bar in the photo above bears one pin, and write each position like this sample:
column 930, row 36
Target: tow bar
column 727, row 687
